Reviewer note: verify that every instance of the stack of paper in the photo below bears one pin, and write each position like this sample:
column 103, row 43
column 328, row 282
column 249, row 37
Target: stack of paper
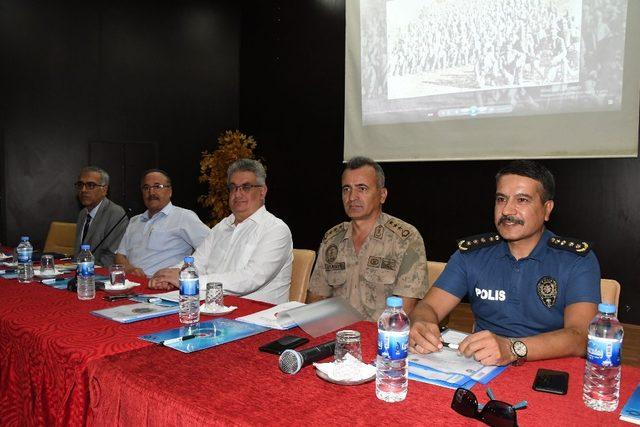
column 274, row 317
column 136, row 312
column 447, row 368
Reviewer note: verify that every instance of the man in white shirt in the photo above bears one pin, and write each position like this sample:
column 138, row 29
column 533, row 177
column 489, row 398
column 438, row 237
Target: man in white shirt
column 250, row 252
column 163, row 235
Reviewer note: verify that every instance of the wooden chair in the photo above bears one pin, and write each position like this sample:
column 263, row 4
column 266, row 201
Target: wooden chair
column 301, row 273
column 61, row 238
column 610, row 292
column 435, row 268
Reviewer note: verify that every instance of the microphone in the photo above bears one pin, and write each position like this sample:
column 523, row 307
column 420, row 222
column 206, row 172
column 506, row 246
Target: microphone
column 127, row 211
column 72, row 284
column 292, row 361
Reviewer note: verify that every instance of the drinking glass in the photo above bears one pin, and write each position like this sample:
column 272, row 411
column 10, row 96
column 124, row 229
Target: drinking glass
column 117, row 275
column 214, row 297
column 348, row 342
column 47, row 265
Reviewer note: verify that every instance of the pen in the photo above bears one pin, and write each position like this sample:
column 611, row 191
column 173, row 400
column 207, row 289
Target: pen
column 179, row 339
column 451, row 345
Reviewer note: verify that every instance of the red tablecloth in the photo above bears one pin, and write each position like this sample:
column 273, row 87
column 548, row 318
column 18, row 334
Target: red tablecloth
column 47, row 337
column 235, row 384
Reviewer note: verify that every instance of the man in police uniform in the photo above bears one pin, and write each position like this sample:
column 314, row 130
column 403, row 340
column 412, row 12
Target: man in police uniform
column 374, row 255
column 532, row 293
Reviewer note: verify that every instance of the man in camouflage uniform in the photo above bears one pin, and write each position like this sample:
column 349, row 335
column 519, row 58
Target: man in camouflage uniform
column 373, row 256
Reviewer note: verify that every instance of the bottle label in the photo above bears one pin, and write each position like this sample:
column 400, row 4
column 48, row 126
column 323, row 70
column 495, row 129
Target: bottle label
column 190, row 287
column 604, row 352
column 24, row 255
column 393, row 345
column 85, row 269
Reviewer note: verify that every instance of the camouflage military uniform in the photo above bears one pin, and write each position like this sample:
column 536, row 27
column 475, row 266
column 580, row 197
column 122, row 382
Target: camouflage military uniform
column 392, row 261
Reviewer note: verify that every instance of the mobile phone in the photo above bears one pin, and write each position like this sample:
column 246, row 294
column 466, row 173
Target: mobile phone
column 551, row 381
column 282, row 344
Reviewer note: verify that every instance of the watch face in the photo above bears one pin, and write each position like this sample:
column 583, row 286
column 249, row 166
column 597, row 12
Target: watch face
column 519, row 348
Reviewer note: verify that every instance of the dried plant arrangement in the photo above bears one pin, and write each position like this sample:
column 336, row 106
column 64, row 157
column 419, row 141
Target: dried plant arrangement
column 232, row 145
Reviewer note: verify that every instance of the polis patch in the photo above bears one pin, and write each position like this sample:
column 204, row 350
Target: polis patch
column 547, row 288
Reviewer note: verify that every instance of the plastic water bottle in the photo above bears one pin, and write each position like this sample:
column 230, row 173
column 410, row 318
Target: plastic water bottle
column 601, row 388
column 189, row 299
column 393, row 345
column 85, row 274
column 24, row 253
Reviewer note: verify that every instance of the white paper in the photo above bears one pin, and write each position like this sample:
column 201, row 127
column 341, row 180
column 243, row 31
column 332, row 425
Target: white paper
column 174, row 295
column 273, row 317
column 449, row 361
column 128, row 284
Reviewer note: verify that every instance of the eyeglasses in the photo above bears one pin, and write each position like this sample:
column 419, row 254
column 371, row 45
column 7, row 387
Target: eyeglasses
column 90, row 185
column 154, row 187
column 244, row 188
column 495, row 413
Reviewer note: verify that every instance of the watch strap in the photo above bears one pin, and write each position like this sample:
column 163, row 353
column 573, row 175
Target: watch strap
column 519, row 359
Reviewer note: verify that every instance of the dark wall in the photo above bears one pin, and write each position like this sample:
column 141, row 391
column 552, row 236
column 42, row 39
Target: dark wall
column 179, row 73
column 292, row 101
column 75, row 72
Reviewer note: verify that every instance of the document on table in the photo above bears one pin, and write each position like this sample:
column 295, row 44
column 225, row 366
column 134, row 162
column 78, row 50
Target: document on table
column 447, row 365
column 273, row 317
column 135, row 312
column 202, row 335
column 174, row 295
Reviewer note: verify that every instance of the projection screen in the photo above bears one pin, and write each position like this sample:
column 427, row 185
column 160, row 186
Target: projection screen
column 491, row 79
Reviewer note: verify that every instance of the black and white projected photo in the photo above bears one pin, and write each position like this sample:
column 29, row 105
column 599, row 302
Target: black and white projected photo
column 452, row 59
column 491, row 79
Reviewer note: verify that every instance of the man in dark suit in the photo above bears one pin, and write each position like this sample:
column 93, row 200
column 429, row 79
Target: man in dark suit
column 98, row 216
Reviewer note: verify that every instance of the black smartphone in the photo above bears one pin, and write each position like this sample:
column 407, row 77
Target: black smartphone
column 282, row 344
column 551, row 381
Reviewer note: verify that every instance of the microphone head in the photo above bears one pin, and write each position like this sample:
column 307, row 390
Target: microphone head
column 290, row 361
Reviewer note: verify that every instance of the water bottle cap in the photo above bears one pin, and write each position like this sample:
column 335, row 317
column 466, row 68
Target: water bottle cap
column 188, row 259
column 394, row 302
column 606, row 308
column 85, row 247
column 24, row 238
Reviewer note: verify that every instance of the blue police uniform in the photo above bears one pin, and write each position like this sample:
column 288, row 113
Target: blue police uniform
column 521, row 298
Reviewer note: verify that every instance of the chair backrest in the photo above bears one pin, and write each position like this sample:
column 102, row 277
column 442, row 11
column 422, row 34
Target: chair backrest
column 300, row 273
column 61, row 238
column 610, row 292
column 435, row 268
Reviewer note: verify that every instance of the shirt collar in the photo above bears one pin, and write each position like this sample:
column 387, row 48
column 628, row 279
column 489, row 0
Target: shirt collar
column 166, row 211
column 382, row 218
column 94, row 211
column 257, row 217
column 538, row 253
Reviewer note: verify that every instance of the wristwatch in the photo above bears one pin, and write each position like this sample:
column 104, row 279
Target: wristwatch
column 519, row 349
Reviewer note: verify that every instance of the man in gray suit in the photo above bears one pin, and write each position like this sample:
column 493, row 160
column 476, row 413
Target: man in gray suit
column 98, row 216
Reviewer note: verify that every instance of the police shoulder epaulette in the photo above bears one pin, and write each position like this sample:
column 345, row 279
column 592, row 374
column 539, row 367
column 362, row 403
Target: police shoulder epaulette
column 400, row 228
column 472, row 243
column 333, row 231
column 576, row 246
